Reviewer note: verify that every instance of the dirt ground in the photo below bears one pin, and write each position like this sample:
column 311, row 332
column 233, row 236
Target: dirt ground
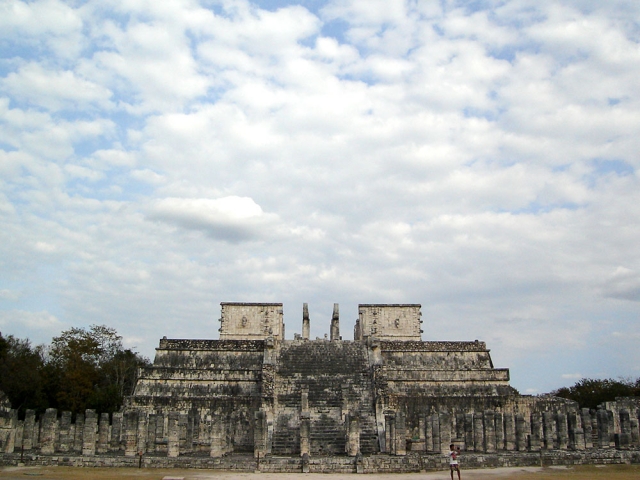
column 589, row 472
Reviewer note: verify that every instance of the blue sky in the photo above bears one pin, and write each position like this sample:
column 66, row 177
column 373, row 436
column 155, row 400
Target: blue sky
column 479, row 158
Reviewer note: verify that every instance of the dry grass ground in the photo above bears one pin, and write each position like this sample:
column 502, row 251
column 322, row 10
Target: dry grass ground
column 589, row 472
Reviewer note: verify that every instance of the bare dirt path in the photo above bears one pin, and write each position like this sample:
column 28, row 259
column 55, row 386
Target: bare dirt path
column 588, row 472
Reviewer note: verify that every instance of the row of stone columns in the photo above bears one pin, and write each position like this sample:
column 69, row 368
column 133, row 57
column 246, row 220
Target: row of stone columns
column 492, row 431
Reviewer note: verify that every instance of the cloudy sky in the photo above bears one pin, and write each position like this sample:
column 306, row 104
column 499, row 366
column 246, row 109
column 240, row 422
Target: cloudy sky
column 477, row 157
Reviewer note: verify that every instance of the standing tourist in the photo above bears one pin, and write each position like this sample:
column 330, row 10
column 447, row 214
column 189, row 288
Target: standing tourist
column 453, row 460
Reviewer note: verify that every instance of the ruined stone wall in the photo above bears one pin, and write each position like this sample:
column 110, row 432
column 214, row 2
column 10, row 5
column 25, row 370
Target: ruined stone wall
column 388, row 322
column 249, row 321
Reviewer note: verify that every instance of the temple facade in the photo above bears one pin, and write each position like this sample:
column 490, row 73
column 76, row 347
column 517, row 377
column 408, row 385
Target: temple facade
column 252, row 392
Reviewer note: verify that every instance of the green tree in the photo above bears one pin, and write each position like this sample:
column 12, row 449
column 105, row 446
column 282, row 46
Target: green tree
column 589, row 393
column 21, row 374
column 91, row 369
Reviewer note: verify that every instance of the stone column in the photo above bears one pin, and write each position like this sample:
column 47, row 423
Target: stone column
column 151, row 432
column 576, row 433
column 521, row 433
column 66, row 440
column 19, row 434
column 509, row 432
column 391, row 422
column 344, row 391
column 218, row 437
column 460, row 427
column 13, row 430
column 353, row 436
column 625, row 429
column 468, row 432
column 142, row 432
column 536, row 432
column 159, row 433
column 478, row 432
column 48, row 431
column 305, row 433
column 182, row 429
column 306, row 322
column 400, row 437
column 131, row 434
column 89, row 433
column 335, row 323
column 103, row 434
column 499, row 429
column 173, row 437
column 489, row 431
column 635, row 438
column 585, row 417
column 548, row 426
column 561, row 429
column 79, row 433
column 435, row 429
column 603, row 429
column 428, row 434
column 260, row 434
column 116, row 430
column 29, row 427
column 420, row 445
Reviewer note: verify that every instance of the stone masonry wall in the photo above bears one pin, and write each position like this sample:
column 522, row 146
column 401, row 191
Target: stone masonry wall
column 246, row 321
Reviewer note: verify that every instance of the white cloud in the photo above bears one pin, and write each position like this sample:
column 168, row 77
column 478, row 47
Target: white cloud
column 481, row 160
column 54, row 89
column 233, row 219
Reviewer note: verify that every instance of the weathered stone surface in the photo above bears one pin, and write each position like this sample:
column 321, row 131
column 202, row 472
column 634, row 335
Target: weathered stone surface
column 336, row 403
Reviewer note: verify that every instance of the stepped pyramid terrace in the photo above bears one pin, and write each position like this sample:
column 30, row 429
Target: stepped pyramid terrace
column 385, row 401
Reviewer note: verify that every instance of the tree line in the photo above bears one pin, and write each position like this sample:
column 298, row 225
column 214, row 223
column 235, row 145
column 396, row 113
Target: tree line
column 80, row 369
column 589, row 392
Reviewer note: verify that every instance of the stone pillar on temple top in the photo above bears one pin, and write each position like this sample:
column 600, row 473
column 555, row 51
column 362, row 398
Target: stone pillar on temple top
column 306, row 322
column 335, row 323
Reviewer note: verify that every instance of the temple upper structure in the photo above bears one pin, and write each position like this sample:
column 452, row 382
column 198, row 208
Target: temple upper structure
column 251, row 321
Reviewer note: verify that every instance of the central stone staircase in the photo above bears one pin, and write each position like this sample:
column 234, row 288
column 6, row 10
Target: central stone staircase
column 335, row 389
